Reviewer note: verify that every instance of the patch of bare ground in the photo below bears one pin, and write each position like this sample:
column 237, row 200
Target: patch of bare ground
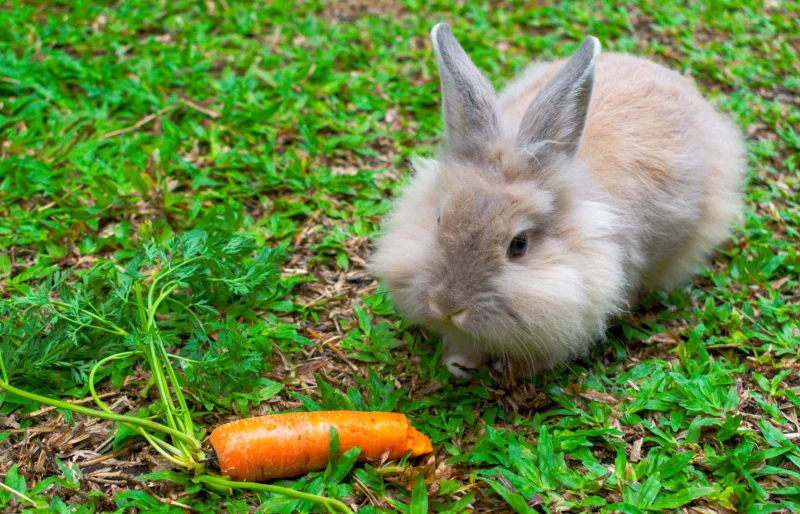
column 349, row 11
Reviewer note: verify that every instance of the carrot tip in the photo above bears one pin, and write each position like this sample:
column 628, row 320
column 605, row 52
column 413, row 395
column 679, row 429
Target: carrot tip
column 420, row 444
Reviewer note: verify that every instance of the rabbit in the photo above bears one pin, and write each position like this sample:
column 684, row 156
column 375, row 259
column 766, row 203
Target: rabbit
column 554, row 204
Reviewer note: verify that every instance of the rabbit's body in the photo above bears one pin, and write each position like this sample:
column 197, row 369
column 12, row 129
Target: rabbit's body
column 670, row 164
column 615, row 171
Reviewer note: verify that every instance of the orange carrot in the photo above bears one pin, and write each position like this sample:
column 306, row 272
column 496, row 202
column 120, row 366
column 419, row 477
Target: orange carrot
column 286, row 445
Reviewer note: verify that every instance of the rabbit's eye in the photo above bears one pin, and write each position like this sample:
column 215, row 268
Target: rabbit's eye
column 518, row 245
column 439, row 220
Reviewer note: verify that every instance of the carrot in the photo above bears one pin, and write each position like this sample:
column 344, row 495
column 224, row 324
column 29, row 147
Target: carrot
column 286, row 445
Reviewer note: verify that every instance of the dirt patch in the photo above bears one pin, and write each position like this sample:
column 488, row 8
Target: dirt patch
column 349, row 11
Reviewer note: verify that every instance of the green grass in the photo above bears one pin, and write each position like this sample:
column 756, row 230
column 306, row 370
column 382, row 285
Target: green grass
column 123, row 125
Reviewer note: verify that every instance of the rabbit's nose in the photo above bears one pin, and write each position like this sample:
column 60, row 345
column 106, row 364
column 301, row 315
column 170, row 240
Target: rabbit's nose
column 443, row 307
column 459, row 315
column 459, row 318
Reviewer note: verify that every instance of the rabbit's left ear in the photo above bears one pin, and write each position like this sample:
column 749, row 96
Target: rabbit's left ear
column 554, row 121
column 471, row 112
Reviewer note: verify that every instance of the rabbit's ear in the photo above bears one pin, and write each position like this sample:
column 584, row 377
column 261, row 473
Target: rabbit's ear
column 471, row 112
column 554, row 121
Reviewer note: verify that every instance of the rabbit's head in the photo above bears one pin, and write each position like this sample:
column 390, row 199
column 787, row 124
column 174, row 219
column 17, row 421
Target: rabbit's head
column 497, row 243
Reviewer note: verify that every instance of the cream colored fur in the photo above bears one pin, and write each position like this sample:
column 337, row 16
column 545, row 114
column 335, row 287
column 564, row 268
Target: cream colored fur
column 648, row 192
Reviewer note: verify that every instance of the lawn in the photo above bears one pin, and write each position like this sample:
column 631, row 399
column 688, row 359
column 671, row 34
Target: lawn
column 248, row 150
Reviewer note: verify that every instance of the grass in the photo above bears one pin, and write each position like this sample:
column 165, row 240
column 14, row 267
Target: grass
column 130, row 129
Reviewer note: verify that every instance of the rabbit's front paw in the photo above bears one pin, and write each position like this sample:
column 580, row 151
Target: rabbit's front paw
column 459, row 359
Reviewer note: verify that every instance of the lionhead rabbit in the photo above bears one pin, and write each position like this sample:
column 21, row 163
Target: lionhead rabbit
column 551, row 205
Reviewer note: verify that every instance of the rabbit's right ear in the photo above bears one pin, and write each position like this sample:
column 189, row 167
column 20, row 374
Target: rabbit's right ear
column 471, row 112
column 554, row 121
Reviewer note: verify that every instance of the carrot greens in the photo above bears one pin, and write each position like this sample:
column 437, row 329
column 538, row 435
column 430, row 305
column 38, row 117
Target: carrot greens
column 168, row 293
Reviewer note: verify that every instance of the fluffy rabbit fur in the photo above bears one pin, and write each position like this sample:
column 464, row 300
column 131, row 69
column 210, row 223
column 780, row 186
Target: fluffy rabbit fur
column 614, row 170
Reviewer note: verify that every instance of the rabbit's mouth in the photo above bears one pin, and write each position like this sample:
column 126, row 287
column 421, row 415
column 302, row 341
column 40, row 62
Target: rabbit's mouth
column 445, row 326
column 461, row 318
column 457, row 322
column 443, row 307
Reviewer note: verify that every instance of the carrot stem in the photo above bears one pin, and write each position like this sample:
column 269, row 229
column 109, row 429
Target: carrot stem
column 275, row 489
column 179, row 358
column 160, row 379
column 3, row 374
column 389, row 470
column 86, row 411
column 155, row 443
column 163, row 274
column 160, row 446
column 187, row 310
column 84, row 325
column 176, row 386
column 140, row 306
column 92, row 390
column 154, row 306
column 115, row 329
column 180, row 419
